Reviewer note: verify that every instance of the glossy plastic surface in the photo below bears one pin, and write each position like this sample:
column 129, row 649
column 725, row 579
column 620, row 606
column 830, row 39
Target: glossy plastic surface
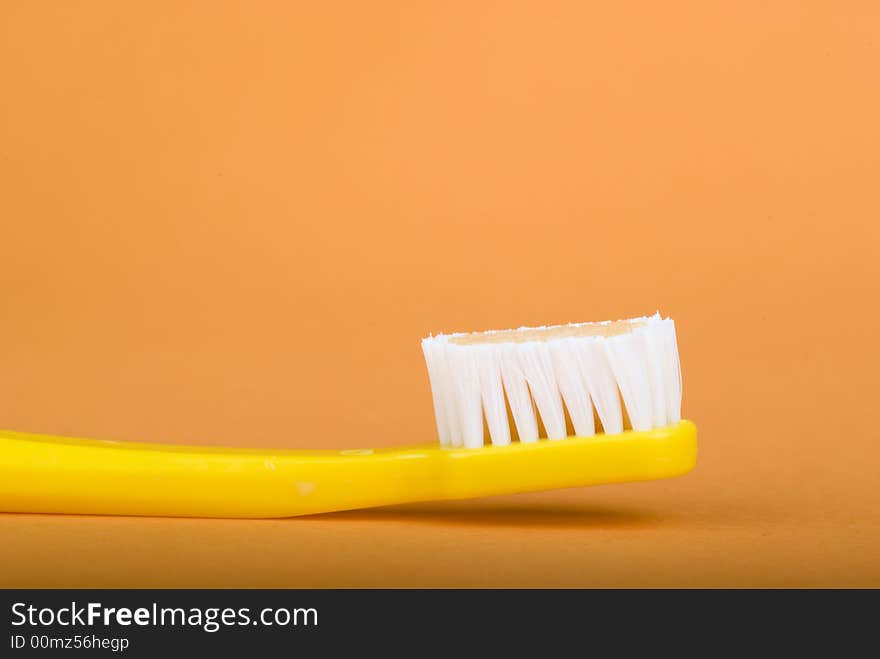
column 45, row 474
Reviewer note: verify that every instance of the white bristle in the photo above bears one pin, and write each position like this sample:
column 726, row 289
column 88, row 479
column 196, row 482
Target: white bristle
column 571, row 383
column 600, row 383
column 492, row 394
column 521, row 407
column 541, row 373
column 436, row 363
column 466, row 394
column 538, row 370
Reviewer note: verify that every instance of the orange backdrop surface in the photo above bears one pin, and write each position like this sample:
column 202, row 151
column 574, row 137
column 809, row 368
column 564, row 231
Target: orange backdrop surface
column 231, row 223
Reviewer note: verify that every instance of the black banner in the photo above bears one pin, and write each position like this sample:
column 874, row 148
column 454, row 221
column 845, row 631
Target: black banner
column 135, row 623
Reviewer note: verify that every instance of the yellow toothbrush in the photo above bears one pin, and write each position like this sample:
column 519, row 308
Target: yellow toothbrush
column 623, row 375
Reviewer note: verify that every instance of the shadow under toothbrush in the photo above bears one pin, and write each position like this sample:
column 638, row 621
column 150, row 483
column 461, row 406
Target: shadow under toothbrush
column 502, row 514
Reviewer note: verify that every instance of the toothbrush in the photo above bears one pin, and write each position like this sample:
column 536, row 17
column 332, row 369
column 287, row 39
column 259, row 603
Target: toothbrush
column 565, row 406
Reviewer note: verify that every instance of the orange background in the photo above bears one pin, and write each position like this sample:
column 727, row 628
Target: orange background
column 231, row 223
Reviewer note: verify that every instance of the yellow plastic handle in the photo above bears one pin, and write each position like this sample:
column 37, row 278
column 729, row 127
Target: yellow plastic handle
column 44, row 474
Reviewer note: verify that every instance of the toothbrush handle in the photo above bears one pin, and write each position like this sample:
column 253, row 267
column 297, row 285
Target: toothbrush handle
column 44, row 474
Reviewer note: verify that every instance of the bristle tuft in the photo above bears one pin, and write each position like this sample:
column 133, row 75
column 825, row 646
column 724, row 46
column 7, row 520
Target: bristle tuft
column 621, row 370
